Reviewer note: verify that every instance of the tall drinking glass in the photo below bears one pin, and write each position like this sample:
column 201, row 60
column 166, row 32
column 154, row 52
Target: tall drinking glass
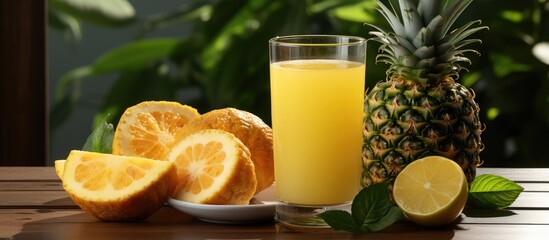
column 317, row 97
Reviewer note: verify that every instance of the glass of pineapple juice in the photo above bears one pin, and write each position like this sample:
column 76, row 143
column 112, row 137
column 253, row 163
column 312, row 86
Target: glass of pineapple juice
column 317, row 97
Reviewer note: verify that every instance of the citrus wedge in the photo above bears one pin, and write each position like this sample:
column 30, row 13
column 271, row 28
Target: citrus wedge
column 118, row 188
column 213, row 167
column 148, row 128
column 59, row 167
column 250, row 129
column 431, row 191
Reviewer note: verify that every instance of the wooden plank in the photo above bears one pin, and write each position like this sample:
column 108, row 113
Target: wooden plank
column 31, row 186
column 488, row 216
column 170, row 224
column 531, row 200
column 42, row 212
column 59, row 199
column 28, row 174
column 36, row 199
column 146, row 232
column 17, row 180
column 519, row 174
column 68, row 223
column 494, row 231
column 56, row 185
column 535, row 187
column 169, row 215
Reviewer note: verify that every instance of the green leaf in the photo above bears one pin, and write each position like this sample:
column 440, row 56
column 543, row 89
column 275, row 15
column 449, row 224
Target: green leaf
column 340, row 220
column 100, row 140
column 67, row 94
column 371, row 211
column 185, row 13
column 135, row 54
column 504, row 65
column 65, row 23
column 241, row 23
column 372, row 203
column 494, row 192
column 393, row 215
column 111, row 13
column 69, row 82
column 360, row 13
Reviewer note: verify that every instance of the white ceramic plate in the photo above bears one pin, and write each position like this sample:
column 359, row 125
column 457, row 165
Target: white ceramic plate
column 261, row 209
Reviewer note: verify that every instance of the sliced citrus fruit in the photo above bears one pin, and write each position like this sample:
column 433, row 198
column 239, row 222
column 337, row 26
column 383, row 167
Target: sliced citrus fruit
column 148, row 128
column 431, row 191
column 213, row 167
column 59, row 167
column 250, row 129
column 118, row 188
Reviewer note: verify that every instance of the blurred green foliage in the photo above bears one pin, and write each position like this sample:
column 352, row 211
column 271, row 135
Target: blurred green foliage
column 223, row 61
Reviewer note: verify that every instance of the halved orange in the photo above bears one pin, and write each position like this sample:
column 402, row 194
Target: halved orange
column 148, row 128
column 213, row 167
column 250, row 129
column 118, row 188
column 431, row 191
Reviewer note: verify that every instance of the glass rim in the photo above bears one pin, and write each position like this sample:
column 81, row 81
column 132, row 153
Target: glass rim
column 287, row 40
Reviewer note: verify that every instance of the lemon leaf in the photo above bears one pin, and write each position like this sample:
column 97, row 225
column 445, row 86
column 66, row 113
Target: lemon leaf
column 371, row 211
column 493, row 192
column 100, row 140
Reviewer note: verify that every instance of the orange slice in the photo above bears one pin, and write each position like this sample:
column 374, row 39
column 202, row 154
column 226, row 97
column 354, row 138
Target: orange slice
column 213, row 167
column 431, row 191
column 250, row 129
column 148, row 128
column 59, row 166
column 118, row 188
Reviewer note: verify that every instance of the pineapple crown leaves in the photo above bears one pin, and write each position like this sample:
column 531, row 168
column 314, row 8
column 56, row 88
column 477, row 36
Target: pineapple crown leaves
column 420, row 46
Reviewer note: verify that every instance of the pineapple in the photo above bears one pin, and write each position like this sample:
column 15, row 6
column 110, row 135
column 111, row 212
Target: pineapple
column 420, row 110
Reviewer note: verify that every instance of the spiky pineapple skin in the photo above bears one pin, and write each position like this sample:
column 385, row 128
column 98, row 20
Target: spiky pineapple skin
column 405, row 121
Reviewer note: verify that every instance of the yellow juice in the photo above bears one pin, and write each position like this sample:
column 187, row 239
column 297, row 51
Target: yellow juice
column 317, row 111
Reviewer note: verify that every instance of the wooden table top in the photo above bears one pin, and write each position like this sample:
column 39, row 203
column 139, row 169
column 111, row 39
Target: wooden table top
column 33, row 205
